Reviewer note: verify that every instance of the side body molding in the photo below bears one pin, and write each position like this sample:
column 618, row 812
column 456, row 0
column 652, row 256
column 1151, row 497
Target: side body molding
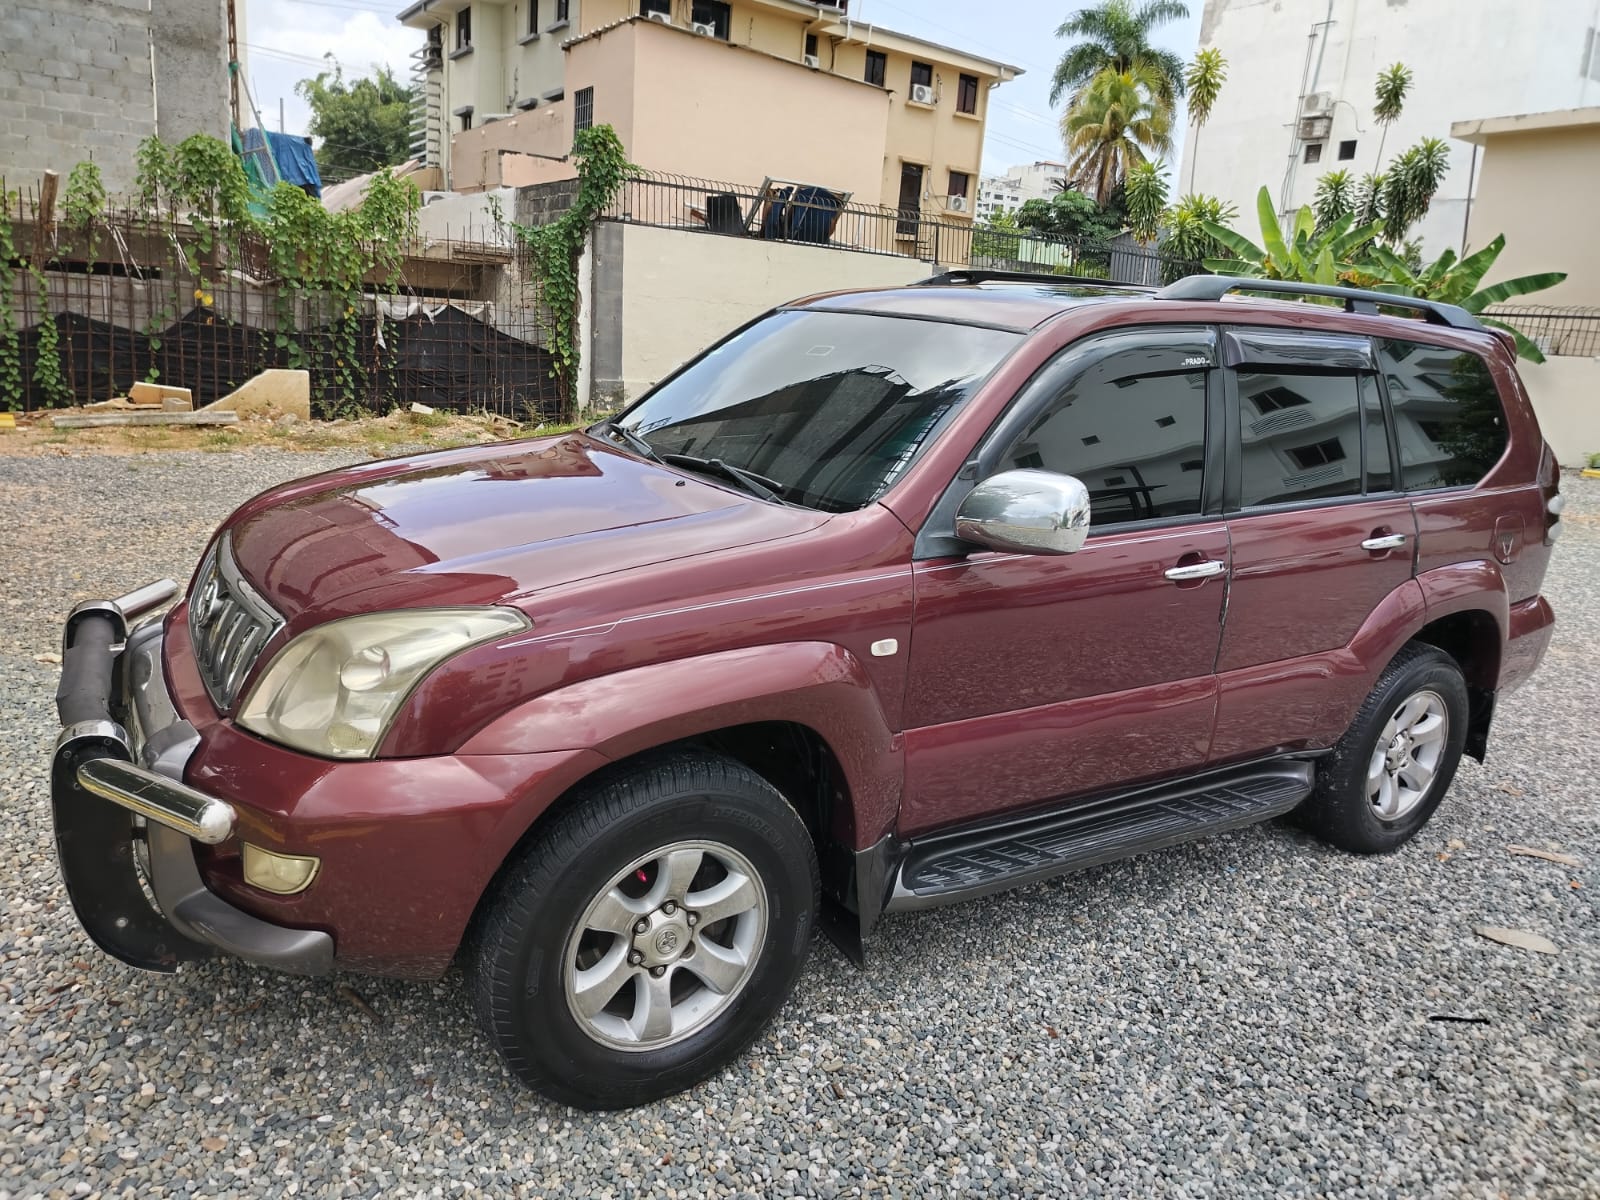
column 816, row 684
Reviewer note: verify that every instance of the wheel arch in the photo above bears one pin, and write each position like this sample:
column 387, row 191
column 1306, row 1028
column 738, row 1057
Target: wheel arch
column 1468, row 617
column 803, row 716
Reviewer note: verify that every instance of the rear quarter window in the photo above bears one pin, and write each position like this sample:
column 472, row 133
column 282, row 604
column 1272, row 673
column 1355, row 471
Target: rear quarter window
column 1449, row 423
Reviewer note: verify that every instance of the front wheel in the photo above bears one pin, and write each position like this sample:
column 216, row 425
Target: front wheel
column 644, row 941
column 1392, row 767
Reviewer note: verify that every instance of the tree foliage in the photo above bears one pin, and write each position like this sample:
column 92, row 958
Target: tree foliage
column 1455, row 281
column 363, row 124
column 1389, row 99
column 1071, row 214
column 1114, row 36
column 1116, row 124
column 1188, row 242
column 1203, row 82
column 1145, row 196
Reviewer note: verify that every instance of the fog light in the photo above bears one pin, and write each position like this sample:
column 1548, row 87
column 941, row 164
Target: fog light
column 281, row 873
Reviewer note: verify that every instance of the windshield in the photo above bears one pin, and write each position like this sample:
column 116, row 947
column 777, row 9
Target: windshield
column 829, row 407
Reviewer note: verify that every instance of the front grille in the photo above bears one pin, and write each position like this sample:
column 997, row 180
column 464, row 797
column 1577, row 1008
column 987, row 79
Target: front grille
column 229, row 624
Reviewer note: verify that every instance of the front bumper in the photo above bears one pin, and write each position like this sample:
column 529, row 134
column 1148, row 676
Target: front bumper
column 117, row 775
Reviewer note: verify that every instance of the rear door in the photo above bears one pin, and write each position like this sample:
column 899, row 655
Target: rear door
column 1036, row 677
column 1320, row 533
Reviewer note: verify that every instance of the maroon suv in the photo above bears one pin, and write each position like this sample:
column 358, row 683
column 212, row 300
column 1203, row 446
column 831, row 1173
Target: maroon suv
column 889, row 599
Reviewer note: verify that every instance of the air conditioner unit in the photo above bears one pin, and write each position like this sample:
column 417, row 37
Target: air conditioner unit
column 491, row 118
column 922, row 93
column 958, row 204
column 1315, row 129
column 1317, row 104
column 664, row 18
column 811, row 60
column 705, row 29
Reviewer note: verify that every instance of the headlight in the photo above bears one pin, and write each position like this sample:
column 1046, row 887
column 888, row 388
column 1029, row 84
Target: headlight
column 335, row 689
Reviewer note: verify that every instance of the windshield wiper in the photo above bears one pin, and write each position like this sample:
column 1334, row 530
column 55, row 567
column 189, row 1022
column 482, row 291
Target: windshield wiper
column 629, row 438
column 756, row 485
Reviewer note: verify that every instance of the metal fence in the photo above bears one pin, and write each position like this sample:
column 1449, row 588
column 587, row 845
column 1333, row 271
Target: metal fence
column 132, row 297
column 799, row 214
column 1567, row 332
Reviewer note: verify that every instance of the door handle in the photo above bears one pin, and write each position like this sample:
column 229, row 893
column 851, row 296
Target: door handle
column 1392, row 541
column 1199, row 570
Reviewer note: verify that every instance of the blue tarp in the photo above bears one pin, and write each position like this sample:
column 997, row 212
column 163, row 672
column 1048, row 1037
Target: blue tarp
column 296, row 163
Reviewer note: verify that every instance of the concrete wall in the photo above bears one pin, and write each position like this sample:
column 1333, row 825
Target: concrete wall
column 468, row 217
column 76, row 82
column 661, row 296
column 1538, row 187
column 474, row 155
column 1482, row 59
column 1566, row 395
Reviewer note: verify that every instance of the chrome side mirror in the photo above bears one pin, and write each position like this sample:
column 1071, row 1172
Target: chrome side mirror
column 1026, row 512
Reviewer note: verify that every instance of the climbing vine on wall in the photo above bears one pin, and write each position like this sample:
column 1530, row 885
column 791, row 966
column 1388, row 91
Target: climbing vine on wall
column 10, row 351
column 554, row 249
column 325, row 258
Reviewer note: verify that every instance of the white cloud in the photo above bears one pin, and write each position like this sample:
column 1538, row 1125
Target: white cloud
column 285, row 41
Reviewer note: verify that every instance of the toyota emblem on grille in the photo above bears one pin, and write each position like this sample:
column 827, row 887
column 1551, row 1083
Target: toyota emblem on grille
column 208, row 601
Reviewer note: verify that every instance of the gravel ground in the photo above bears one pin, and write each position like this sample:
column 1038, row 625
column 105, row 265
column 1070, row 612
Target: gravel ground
column 1250, row 1016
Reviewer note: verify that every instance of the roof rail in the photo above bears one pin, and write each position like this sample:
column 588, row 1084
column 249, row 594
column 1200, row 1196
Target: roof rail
column 1356, row 300
column 976, row 275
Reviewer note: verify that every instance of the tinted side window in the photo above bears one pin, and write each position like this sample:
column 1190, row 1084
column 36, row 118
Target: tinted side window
column 1135, row 438
column 1447, row 414
column 1301, row 436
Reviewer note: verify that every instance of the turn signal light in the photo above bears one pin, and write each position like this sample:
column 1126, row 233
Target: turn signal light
column 284, row 874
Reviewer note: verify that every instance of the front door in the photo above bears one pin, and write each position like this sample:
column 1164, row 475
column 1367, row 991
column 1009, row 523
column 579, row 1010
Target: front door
column 910, row 198
column 1321, row 536
column 1036, row 677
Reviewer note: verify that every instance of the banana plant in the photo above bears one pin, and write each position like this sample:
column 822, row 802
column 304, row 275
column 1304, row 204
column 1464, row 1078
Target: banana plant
column 1455, row 281
column 1297, row 251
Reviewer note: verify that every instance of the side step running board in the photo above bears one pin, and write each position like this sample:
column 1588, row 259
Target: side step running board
column 990, row 858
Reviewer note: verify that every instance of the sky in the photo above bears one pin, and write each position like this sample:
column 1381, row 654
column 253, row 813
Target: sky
column 286, row 39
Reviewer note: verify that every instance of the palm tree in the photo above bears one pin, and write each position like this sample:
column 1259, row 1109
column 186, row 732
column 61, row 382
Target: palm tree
column 1389, row 97
column 1115, row 36
column 1115, row 123
column 1203, row 81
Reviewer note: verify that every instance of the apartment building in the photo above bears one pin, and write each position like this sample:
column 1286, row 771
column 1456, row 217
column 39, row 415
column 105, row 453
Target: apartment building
column 730, row 90
column 1301, row 76
column 1007, row 193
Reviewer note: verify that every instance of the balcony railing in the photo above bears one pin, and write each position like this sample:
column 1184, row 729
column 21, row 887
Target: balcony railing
column 816, row 216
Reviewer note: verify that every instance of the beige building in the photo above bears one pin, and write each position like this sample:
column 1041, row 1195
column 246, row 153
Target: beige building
column 724, row 90
column 1537, row 177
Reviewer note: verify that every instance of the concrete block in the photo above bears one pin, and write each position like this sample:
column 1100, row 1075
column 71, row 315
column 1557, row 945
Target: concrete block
column 273, row 391
column 160, row 393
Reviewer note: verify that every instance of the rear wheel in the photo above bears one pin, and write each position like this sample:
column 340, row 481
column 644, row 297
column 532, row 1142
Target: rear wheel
column 649, row 935
column 1392, row 767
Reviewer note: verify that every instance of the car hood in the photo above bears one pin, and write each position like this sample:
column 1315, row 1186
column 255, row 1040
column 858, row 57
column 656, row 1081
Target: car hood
column 489, row 525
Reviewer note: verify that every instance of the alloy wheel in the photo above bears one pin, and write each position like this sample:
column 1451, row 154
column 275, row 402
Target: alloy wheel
column 1407, row 755
column 666, row 945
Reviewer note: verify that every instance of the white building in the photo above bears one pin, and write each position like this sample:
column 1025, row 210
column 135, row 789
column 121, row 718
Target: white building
column 1298, row 101
column 1006, row 193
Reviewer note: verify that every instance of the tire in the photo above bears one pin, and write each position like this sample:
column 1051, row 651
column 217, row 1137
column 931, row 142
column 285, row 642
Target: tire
column 591, row 974
column 1352, row 806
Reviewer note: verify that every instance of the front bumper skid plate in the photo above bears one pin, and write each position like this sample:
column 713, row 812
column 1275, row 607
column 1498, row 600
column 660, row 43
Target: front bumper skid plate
column 119, row 762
